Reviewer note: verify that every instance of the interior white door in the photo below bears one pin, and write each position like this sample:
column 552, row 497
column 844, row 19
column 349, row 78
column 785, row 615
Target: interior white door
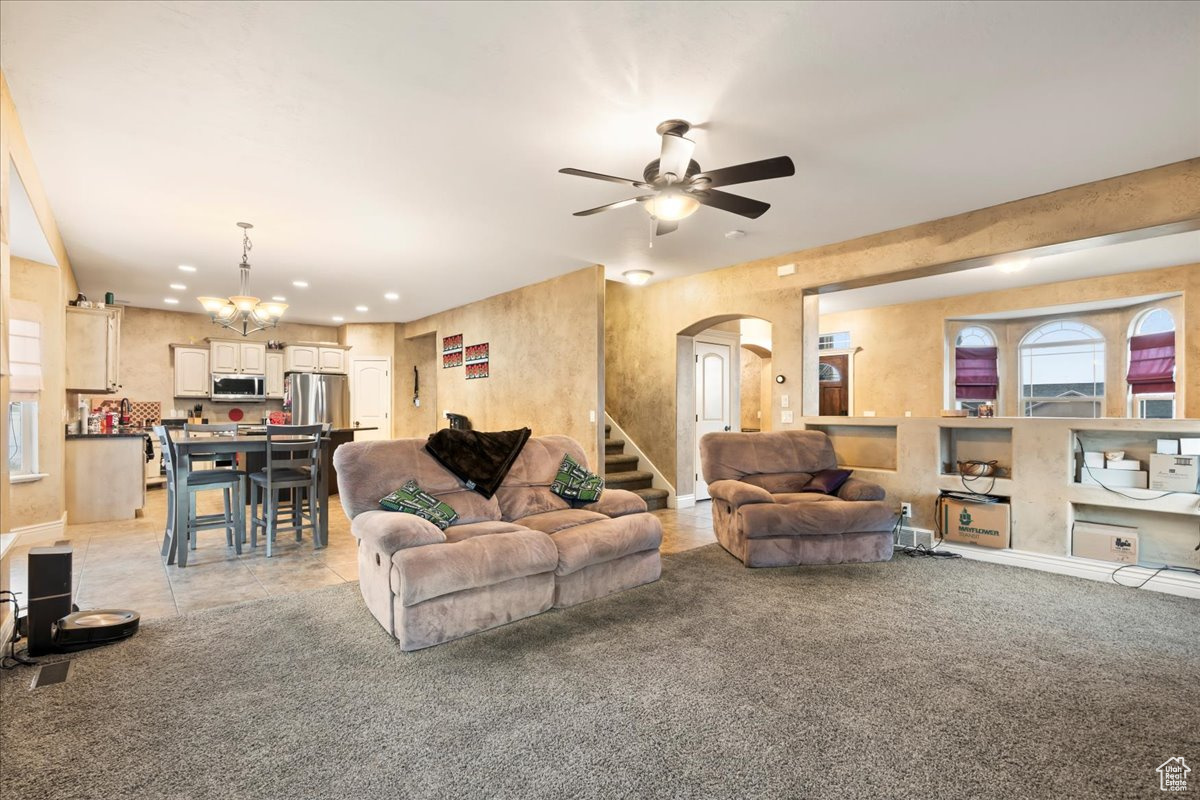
column 713, row 402
column 371, row 397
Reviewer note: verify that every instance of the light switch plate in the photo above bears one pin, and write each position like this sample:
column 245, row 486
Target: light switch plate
column 785, row 401
column 787, row 417
column 592, row 416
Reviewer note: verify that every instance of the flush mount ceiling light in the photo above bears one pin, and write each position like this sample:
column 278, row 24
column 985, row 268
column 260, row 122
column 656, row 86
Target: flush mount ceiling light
column 735, row 234
column 638, row 277
column 242, row 311
column 677, row 187
column 1014, row 265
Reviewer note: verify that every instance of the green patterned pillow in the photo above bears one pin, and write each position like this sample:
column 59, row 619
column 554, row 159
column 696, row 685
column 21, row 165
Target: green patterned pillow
column 412, row 499
column 573, row 482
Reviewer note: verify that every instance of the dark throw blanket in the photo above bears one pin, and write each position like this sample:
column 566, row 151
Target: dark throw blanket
column 478, row 458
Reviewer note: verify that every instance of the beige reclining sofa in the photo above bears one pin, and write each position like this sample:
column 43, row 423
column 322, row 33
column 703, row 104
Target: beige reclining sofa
column 505, row 558
column 762, row 515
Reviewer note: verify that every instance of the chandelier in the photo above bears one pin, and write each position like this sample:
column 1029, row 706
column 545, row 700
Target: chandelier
column 242, row 311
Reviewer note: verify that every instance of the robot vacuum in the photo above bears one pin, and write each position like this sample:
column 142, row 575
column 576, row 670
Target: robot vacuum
column 84, row 629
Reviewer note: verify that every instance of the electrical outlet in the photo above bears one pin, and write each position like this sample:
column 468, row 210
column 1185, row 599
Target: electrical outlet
column 906, row 509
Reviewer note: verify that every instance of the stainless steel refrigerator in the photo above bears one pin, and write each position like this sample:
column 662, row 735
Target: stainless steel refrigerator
column 314, row 397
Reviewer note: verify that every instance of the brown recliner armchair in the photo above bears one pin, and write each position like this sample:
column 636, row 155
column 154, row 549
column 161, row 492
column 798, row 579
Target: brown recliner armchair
column 762, row 516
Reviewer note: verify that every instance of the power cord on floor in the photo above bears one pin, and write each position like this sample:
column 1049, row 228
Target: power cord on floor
column 13, row 659
column 1157, row 571
column 920, row 550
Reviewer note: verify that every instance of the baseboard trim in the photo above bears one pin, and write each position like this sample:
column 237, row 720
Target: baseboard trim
column 43, row 533
column 1175, row 583
column 681, row 501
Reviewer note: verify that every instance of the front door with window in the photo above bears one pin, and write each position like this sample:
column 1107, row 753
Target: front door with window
column 835, row 388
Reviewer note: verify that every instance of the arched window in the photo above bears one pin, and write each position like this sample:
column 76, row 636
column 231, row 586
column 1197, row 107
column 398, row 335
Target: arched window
column 1151, row 376
column 976, row 372
column 828, row 372
column 975, row 336
column 1062, row 371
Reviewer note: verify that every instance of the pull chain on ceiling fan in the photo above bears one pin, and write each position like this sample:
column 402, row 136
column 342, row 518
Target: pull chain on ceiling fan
column 676, row 187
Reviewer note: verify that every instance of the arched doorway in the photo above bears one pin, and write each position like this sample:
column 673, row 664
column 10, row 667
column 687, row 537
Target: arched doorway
column 708, row 389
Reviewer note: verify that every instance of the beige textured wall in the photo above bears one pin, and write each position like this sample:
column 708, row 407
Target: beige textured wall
column 904, row 360
column 642, row 322
column 546, row 352
column 424, row 353
column 752, row 389
column 147, row 369
column 36, row 296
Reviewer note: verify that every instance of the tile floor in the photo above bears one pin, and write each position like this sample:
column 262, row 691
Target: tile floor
column 117, row 564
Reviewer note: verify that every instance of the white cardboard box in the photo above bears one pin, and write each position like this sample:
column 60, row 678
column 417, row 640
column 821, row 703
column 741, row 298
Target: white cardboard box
column 1168, row 447
column 1189, row 447
column 1126, row 464
column 1174, row 473
column 1105, row 542
column 1115, row 478
column 1095, row 460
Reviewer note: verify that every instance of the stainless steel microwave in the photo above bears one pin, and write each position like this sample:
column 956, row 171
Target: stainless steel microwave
column 238, row 388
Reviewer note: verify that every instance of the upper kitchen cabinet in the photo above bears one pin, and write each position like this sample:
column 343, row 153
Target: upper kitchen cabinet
column 192, row 376
column 315, row 357
column 229, row 356
column 93, row 348
column 274, row 382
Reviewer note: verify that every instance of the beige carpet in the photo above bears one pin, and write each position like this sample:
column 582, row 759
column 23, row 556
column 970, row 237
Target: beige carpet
column 914, row 679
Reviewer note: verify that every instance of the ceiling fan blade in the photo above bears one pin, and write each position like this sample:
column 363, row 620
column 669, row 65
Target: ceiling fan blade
column 665, row 226
column 733, row 203
column 780, row 167
column 583, row 173
column 618, row 204
column 676, row 155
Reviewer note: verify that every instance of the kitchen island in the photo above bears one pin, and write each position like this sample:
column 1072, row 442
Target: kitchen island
column 106, row 476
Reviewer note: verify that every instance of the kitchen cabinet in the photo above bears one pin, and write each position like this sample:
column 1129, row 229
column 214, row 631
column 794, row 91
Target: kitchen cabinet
column 331, row 359
column 192, row 375
column 300, row 358
column 93, row 350
column 274, row 372
column 227, row 356
column 315, row 357
column 105, row 477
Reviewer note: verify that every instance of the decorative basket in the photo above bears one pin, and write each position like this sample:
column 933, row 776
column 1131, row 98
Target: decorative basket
column 977, row 469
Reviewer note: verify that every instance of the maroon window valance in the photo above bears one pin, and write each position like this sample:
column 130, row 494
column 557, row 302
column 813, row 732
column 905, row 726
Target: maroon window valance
column 975, row 374
column 1152, row 363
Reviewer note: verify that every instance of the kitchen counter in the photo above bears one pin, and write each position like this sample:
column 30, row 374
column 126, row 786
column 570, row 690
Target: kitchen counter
column 105, row 476
column 113, row 435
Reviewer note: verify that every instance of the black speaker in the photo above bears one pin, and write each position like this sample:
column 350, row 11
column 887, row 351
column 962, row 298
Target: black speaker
column 49, row 594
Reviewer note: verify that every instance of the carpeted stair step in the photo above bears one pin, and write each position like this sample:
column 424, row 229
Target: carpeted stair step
column 655, row 498
column 614, row 447
column 607, row 430
column 628, row 480
column 619, row 463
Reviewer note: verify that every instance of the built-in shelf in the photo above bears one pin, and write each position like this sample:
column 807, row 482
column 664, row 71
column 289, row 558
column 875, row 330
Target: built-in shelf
column 969, row 443
column 1163, row 535
column 860, row 445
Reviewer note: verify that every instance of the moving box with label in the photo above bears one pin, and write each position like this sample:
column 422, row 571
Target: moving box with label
column 1104, row 542
column 1115, row 478
column 984, row 524
column 1174, row 473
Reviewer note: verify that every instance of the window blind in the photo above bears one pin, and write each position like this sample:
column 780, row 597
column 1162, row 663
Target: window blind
column 24, row 358
column 1152, row 363
column 976, row 376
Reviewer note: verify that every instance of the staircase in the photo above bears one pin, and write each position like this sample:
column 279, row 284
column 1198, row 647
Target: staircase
column 621, row 472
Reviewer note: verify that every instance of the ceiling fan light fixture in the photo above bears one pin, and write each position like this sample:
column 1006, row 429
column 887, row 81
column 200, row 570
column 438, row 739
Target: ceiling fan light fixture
column 638, row 277
column 672, row 206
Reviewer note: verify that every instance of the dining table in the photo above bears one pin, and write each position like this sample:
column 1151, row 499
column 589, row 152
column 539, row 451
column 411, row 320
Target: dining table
column 186, row 443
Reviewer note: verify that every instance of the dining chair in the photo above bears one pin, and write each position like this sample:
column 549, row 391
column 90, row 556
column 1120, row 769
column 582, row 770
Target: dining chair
column 232, row 482
column 293, row 466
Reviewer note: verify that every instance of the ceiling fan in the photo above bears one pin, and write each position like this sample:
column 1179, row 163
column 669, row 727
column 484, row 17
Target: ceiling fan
column 677, row 187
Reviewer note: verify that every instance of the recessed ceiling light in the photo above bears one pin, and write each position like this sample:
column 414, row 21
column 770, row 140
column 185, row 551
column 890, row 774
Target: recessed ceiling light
column 186, row 268
column 171, row 301
column 391, row 296
column 735, row 234
column 1014, row 265
column 360, row 308
column 279, row 298
column 179, row 287
column 338, row 319
column 638, row 277
column 300, row 284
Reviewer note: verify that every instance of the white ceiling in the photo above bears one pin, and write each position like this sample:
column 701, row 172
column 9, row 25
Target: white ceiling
column 1113, row 259
column 414, row 147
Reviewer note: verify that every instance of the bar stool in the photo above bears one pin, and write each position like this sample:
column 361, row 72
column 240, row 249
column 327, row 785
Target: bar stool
column 232, row 483
column 293, row 463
